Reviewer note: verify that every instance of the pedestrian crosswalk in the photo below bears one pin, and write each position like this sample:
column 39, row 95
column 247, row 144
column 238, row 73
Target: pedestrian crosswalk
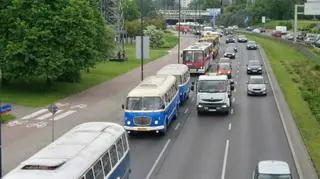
column 41, row 117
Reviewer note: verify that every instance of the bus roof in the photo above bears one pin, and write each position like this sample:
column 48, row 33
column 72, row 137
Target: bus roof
column 71, row 154
column 173, row 69
column 198, row 46
column 212, row 77
column 155, row 85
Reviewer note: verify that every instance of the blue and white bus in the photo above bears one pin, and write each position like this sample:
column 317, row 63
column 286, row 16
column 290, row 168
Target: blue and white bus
column 152, row 105
column 94, row 150
column 182, row 74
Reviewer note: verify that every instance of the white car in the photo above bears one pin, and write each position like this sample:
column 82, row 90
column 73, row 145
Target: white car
column 256, row 31
column 272, row 169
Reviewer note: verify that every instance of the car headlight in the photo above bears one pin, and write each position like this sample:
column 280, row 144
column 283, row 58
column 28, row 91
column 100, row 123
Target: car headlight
column 260, row 68
column 224, row 106
column 263, row 89
column 200, row 106
column 156, row 122
column 128, row 122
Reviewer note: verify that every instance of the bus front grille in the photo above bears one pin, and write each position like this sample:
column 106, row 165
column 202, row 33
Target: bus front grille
column 142, row 121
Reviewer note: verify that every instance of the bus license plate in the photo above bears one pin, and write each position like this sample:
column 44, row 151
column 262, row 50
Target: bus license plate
column 142, row 129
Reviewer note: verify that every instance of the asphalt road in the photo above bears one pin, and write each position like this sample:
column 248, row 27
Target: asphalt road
column 194, row 147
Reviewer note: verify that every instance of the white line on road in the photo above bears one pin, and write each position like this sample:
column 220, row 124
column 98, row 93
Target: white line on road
column 63, row 115
column 186, row 111
column 235, row 89
column 232, row 111
column 45, row 116
column 158, row 159
column 233, row 99
column 237, row 71
column 229, row 127
column 224, row 165
column 34, row 114
column 177, row 126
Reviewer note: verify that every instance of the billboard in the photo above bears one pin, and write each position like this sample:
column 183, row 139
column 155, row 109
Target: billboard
column 312, row 8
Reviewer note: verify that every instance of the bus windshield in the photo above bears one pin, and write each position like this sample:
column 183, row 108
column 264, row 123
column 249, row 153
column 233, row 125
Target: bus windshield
column 192, row 56
column 269, row 176
column 144, row 103
column 212, row 86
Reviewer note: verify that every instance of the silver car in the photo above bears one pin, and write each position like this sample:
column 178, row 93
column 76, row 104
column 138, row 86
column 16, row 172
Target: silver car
column 272, row 169
column 257, row 86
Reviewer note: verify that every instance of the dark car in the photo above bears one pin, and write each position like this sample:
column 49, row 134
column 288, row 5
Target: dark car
column 230, row 39
column 252, row 45
column 276, row 33
column 262, row 30
column 254, row 67
column 242, row 39
column 230, row 53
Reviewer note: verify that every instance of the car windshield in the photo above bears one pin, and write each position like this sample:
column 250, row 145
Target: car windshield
column 271, row 176
column 212, row 86
column 254, row 63
column 192, row 56
column 144, row 103
column 242, row 36
column 251, row 43
column 229, row 50
column 256, row 81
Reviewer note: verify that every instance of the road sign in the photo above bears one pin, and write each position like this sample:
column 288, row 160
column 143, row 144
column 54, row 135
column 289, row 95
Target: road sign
column 263, row 19
column 312, row 8
column 53, row 108
column 245, row 19
column 5, row 108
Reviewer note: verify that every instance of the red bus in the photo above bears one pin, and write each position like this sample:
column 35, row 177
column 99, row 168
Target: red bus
column 198, row 57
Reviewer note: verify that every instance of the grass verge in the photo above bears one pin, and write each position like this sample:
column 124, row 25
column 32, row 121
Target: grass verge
column 37, row 94
column 282, row 59
column 301, row 23
column 7, row 118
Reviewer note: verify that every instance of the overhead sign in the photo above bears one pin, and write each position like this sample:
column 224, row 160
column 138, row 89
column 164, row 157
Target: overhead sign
column 263, row 19
column 5, row 108
column 312, row 8
column 214, row 11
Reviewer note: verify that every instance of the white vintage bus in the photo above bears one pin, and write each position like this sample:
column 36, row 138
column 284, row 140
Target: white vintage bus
column 94, row 150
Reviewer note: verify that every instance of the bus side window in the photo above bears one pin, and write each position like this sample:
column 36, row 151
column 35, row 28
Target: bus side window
column 125, row 144
column 97, row 168
column 120, row 148
column 106, row 163
column 89, row 174
column 113, row 155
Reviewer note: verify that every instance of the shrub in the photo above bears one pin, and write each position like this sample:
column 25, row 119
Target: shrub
column 156, row 36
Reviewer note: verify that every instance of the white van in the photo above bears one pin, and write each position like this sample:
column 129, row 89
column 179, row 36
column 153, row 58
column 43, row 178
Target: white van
column 213, row 93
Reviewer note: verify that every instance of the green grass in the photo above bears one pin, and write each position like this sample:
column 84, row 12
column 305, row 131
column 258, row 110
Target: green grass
column 7, row 118
column 278, row 54
column 37, row 94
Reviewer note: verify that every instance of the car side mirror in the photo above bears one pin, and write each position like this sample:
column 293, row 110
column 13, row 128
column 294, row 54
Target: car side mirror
column 232, row 88
column 122, row 106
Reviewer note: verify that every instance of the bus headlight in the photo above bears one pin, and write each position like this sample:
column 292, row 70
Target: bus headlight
column 156, row 122
column 128, row 122
column 224, row 106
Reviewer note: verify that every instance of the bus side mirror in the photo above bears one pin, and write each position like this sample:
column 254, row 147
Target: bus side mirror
column 122, row 106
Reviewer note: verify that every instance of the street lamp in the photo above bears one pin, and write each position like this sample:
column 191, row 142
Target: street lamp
column 141, row 38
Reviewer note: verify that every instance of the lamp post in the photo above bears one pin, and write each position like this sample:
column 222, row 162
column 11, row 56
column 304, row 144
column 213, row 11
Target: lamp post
column 179, row 31
column 141, row 37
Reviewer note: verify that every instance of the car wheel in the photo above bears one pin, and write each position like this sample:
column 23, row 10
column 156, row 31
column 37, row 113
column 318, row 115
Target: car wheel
column 199, row 113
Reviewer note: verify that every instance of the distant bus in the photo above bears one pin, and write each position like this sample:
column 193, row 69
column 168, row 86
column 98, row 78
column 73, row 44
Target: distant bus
column 152, row 105
column 94, row 150
column 182, row 74
column 214, row 38
column 198, row 57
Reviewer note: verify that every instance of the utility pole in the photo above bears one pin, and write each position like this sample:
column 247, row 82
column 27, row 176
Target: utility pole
column 296, row 21
column 179, row 31
column 141, row 32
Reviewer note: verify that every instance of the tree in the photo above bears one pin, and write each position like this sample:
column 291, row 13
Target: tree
column 130, row 10
column 156, row 36
column 133, row 28
column 53, row 39
column 148, row 7
column 204, row 4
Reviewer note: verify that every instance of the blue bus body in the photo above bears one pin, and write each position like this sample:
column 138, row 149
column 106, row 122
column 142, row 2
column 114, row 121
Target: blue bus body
column 184, row 90
column 123, row 169
column 151, row 120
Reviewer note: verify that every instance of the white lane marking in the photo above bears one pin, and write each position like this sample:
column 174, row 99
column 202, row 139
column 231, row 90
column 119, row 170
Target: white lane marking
column 38, row 125
column 45, row 116
column 229, row 127
column 235, row 82
column 235, row 89
column 232, row 111
column 62, row 104
column 294, row 155
column 79, row 106
column 233, row 99
column 34, row 114
column 158, row 159
column 186, row 111
column 16, row 122
column 237, row 76
column 237, row 71
column 224, row 165
column 63, row 115
column 177, row 126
